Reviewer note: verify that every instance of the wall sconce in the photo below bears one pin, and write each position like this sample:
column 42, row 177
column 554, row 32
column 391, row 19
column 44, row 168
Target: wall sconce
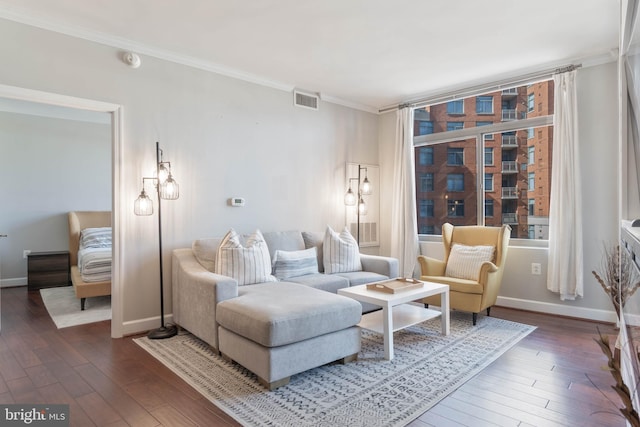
column 166, row 188
column 364, row 188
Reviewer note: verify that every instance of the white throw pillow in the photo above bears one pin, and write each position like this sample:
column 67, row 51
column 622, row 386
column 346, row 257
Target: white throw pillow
column 295, row 263
column 247, row 264
column 465, row 261
column 341, row 253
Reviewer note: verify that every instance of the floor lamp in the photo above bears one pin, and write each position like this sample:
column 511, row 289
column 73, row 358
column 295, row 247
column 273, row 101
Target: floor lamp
column 364, row 189
column 166, row 188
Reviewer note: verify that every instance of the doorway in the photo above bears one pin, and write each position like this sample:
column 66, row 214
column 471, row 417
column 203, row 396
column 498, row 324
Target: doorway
column 114, row 111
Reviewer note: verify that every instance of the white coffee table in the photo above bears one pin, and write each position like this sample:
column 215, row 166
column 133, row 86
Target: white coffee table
column 396, row 313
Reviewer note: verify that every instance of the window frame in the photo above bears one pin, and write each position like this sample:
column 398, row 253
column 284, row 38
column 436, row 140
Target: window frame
column 479, row 102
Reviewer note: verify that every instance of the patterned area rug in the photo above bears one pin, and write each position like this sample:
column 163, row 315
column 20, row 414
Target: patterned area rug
column 369, row 392
column 64, row 307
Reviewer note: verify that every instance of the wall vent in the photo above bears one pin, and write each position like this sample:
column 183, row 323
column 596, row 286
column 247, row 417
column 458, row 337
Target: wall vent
column 368, row 233
column 306, row 100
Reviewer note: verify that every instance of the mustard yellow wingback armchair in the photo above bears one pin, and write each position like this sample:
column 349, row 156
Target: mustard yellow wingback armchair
column 466, row 292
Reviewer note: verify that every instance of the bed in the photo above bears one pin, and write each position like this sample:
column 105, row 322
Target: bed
column 90, row 243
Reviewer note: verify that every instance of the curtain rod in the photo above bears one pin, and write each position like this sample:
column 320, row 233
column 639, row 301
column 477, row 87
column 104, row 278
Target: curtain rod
column 479, row 89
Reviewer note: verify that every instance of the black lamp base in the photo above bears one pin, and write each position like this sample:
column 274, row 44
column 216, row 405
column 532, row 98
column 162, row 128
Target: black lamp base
column 163, row 332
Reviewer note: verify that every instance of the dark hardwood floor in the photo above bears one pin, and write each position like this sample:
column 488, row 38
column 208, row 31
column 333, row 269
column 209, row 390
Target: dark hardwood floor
column 553, row 377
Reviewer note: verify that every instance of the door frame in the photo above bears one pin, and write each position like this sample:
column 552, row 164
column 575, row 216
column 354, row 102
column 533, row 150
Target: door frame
column 115, row 110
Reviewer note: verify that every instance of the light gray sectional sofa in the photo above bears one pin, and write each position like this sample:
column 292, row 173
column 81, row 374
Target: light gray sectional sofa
column 274, row 329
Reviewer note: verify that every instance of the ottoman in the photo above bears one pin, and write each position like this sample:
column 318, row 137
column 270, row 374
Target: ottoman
column 276, row 330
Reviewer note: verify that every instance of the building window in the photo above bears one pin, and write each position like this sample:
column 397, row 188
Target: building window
column 484, row 104
column 530, row 133
column 532, row 231
column 488, row 182
column 532, row 181
column 488, row 208
column 426, row 156
column 488, row 156
column 531, row 206
column 455, row 125
column 425, row 127
column 455, row 208
column 531, row 154
column 455, row 156
column 426, row 208
column 531, row 102
column 488, row 135
column 427, row 229
column 455, row 182
column 426, row 182
column 455, row 107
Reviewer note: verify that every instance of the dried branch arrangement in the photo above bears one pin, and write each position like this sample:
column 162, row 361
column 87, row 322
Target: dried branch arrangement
column 620, row 281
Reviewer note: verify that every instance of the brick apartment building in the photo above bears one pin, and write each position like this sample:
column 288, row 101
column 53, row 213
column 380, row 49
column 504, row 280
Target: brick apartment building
column 517, row 173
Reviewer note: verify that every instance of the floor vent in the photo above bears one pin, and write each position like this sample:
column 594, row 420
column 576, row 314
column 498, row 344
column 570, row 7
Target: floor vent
column 306, row 100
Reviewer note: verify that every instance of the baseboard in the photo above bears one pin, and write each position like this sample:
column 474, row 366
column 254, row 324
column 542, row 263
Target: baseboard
column 10, row 283
column 139, row 326
column 565, row 310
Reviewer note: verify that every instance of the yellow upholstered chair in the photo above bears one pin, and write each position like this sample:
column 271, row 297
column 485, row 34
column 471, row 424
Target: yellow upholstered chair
column 473, row 281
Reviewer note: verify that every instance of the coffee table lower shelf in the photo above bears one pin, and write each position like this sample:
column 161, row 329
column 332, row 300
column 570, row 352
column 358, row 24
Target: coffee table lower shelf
column 404, row 315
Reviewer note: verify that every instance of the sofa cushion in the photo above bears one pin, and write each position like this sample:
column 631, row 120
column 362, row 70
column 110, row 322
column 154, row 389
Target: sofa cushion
column 458, row 285
column 314, row 239
column 284, row 241
column 341, row 252
column 324, row 282
column 356, row 278
column 283, row 313
column 288, row 264
column 464, row 261
column 205, row 252
column 248, row 265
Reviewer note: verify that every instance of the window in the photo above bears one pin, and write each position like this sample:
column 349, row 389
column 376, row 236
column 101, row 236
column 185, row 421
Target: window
column 488, row 135
column 426, row 182
column 531, row 154
column 425, row 127
column 531, row 102
column 488, row 156
column 455, row 125
column 474, row 181
column 427, row 229
column 426, row 156
column 455, row 107
column 488, row 182
column 484, row 104
column 532, row 181
column 455, row 182
column 532, row 231
column 488, row 208
column 455, row 156
column 426, row 208
column 455, row 208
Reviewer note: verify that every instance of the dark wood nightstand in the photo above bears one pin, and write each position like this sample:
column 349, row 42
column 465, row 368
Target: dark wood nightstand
column 47, row 269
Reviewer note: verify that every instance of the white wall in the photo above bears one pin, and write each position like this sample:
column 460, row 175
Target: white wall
column 43, row 179
column 224, row 138
column 598, row 121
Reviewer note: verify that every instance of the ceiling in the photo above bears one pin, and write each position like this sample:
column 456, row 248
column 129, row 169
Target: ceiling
column 364, row 53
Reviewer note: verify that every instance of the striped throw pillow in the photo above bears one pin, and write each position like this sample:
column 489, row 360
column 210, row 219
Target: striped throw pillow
column 295, row 263
column 465, row 261
column 341, row 253
column 247, row 264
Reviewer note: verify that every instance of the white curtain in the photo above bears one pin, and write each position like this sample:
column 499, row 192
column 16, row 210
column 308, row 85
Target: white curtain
column 565, row 272
column 404, row 222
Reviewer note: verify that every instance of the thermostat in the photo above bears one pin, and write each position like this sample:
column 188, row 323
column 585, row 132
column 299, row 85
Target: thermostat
column 237, row 201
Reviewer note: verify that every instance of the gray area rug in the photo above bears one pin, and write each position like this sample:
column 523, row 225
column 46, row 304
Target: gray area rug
column 369, row 392
column 64, row 307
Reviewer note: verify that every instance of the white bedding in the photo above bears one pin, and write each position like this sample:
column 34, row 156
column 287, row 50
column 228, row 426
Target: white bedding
column 94, row 255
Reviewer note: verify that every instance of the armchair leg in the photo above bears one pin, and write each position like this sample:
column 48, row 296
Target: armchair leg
column 426, row 306
column 475, row 318
column 488, row 311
